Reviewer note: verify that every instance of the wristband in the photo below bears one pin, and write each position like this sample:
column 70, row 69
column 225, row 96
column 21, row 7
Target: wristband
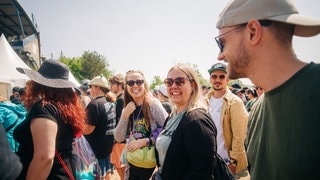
column 148, row 141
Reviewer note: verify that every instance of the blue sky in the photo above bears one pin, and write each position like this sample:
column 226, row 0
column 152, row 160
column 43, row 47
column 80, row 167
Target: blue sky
column 149, row 35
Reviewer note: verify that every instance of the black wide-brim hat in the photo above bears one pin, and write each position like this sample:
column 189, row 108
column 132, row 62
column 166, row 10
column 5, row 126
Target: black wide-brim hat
column 52, row 73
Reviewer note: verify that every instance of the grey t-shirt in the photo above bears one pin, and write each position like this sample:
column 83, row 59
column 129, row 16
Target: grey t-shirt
column 164, row 139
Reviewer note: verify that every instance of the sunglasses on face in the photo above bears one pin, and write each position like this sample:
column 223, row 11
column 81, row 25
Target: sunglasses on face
column 179, row 81
column 216, row 76
column 132, row 82
column 113, row 82
column 221, row 43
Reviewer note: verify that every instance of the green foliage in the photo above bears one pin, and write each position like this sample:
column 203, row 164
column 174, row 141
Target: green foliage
column 89, row 65
column 203, row 81
column 94, row 64
column 155, row 82
column 74, row 66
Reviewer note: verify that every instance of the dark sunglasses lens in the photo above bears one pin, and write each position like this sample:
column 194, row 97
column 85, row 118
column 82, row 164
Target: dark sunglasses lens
column 139, row 82
column 168, row 82
column 220, row 77
column 130, row 83
column 220, row 45
column 179, row 81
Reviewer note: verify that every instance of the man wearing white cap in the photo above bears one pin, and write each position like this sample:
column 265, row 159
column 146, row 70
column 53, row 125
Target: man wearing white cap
column 255, row 38
column 101, row 123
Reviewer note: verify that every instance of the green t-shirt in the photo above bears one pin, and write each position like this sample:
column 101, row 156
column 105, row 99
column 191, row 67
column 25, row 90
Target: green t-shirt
column 284, row 129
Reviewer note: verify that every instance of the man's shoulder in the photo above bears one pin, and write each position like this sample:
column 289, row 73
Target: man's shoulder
column 312, row 68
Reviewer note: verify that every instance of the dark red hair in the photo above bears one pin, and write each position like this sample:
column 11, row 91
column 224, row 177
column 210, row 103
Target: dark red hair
column 65, row 99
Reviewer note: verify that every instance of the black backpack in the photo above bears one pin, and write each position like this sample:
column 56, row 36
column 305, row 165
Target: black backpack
column 221, row 170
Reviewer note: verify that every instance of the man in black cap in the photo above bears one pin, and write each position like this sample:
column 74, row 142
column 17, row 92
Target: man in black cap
column 230, row 117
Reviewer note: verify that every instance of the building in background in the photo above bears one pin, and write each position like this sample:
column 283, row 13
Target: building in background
column 21, row 32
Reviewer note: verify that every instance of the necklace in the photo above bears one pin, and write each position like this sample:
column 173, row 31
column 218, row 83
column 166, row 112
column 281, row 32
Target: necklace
column 137, row 115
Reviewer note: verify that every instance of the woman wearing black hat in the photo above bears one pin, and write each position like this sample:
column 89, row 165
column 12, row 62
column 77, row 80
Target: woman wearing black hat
column 55, row 117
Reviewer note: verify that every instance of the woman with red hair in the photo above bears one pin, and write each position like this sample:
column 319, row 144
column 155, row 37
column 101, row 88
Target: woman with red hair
column 55, row 117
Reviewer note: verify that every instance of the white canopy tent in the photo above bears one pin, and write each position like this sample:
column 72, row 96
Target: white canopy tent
column 9, row 75
column 9, row 62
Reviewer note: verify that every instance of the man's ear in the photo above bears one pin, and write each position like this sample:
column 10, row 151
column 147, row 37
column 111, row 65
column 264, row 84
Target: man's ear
column 255, row 31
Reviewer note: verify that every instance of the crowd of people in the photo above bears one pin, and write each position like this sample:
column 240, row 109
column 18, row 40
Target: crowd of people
column 179, row 129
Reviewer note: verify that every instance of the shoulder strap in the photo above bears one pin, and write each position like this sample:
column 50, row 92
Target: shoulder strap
column 65, row 167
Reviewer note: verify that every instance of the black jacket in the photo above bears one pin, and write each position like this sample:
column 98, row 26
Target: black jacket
column 192, row 150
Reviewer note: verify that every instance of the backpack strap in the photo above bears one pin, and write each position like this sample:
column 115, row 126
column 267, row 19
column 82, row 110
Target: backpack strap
column 65, row 167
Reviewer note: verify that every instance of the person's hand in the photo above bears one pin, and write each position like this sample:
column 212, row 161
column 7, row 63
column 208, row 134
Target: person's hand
column 232, row 168
column 128, row 110
column 134, row 145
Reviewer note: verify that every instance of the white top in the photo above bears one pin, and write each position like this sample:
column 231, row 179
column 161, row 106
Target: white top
column 215, row 106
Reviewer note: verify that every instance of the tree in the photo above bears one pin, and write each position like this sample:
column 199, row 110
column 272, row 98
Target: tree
column 89, row 65
column 202, row 80
column 74, row 66
column 94, row 64
column 155, row 82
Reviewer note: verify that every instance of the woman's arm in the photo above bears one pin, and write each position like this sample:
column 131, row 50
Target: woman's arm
column 159, row 114
column 200, row 141
column 120, row 131
column 89, row 129
column 44, row 132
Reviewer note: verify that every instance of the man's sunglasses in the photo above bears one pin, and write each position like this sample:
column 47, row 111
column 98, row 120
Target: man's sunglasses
column 132, row 82
column 220, row 44
column 113, row 82
column 216, row 76
column 179, row 81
